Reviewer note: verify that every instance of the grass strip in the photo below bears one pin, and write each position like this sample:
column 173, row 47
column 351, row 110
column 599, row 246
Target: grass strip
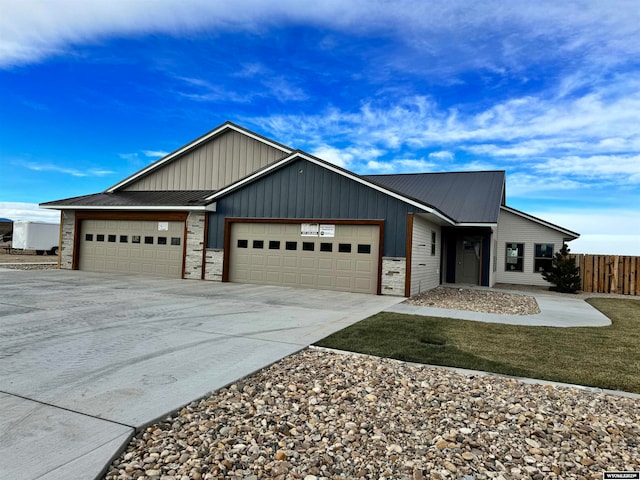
column 605, row 357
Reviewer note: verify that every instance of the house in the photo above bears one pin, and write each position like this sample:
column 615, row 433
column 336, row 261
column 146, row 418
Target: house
column 235, row 206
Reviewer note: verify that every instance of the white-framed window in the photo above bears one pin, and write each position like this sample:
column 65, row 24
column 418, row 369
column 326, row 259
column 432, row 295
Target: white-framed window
column 543, row 255
column 433, row 243
column 514, row 261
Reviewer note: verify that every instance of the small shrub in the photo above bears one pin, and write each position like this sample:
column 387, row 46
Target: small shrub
column 564, row 273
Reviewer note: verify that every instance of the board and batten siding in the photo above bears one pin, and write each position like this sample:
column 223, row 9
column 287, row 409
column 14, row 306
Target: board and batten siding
column 513, row 228
column 305, row 190
column 213, row 165
column 425, row 267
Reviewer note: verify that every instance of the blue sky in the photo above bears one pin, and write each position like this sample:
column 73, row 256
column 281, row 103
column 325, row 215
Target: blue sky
column 92, row 91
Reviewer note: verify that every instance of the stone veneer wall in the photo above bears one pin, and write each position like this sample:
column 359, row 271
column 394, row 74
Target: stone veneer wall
column 194, row 245
column 393, row 275
column 213, row 265
column 68, row 219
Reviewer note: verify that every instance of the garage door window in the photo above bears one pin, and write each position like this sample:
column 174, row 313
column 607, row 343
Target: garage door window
column 344, row 247
column 89, row 237
column 258, row 244
column 243, row 243
column 99, row 238
column 175, row 240
column 326, row 247
column 112, row 238
column 308, row 246
column 274, row 244
column 291, row 245
column 124, row 239
column 364, row 248
column 135, row 239
column 148, row 240
column 162, row 240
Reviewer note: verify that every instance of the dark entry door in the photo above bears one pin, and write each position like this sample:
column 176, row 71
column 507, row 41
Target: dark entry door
column 468, row 260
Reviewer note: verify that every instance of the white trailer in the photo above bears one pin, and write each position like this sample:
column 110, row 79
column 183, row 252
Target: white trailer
column 39, row 236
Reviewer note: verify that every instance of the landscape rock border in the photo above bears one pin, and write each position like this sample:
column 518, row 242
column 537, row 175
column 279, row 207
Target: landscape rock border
column 325, row 415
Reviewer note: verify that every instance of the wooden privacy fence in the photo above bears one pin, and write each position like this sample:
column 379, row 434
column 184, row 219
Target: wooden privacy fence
column 609, row 273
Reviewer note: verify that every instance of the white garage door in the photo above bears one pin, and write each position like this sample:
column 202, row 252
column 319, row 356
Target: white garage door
column 124, row 246
column 340, row 257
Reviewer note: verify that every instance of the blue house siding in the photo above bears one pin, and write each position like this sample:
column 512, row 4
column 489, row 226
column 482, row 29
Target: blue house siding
column 305, row 190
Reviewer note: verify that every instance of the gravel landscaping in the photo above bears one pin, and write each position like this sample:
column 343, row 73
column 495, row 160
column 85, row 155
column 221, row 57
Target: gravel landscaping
column 326, row 415
column 476, row 300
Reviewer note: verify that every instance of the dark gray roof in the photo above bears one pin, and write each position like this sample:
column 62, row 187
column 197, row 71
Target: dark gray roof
column 466, row 197
column 171, row 198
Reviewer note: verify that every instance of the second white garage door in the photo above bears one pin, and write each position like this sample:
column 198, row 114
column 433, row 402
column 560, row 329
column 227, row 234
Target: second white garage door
column 129, row 246
column 279, row 254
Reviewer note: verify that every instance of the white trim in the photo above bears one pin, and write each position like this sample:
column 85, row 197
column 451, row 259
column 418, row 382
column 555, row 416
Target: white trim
column 339, row 171
column 539, row 221
column 196, row 142
column 471, row 224
column 134, row 208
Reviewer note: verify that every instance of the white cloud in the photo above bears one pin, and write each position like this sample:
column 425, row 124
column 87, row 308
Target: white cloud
column 28, row 212
column 155, row 153
column 599, row 166
column 447, row 37
column 92, row 172
column 441, row 155
column 346, row 157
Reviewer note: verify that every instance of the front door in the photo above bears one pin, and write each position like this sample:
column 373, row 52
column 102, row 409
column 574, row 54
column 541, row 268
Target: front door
column 468, row 260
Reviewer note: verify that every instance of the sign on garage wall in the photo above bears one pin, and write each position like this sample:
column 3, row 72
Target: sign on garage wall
column 327, row 230
column 163, row 226
column 309, row 230
column 315, row 230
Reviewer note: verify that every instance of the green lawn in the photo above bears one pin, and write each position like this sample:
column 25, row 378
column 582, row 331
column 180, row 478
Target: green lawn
column 606, row 357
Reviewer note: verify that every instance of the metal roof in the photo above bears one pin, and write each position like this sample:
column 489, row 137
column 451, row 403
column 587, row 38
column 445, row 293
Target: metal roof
column 138, row 199
column 467, row 197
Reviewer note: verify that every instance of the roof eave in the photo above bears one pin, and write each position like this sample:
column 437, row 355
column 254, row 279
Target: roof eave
column 128, row 208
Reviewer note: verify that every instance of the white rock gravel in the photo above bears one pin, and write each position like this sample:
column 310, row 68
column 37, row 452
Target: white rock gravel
column 325, row 415
column 476, row 300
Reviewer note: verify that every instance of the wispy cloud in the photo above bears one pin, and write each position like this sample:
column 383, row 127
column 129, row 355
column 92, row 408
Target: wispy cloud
column 91, row 172
column 155, row 153
column 439, row 35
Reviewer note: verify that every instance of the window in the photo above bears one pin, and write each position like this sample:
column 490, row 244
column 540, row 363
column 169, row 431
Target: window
column 291, row 245
column 258, row 244
column 543, row 256
column 89, row 237
column 148, row 240
column 112, row 238
column 515, row 257
column 308, row 246
column 433, row 243
column 243, row 243
column 364, row 248
column 135, row 238
column 175, row 240
column 124, row 239
column 162, row 240
column 274, row 244
column 100, row 238
column 344, row 247
column 326, row 247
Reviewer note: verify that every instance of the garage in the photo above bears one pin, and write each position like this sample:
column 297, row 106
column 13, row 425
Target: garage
column 332, row 255
column 132, row 246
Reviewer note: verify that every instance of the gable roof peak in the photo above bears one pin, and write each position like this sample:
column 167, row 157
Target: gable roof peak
column 221, row 129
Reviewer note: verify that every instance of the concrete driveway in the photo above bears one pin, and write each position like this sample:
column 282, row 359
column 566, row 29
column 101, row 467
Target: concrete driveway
column 87, row 359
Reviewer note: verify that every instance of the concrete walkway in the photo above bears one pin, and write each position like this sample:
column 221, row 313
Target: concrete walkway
column 88, row 359
column 555, row 311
